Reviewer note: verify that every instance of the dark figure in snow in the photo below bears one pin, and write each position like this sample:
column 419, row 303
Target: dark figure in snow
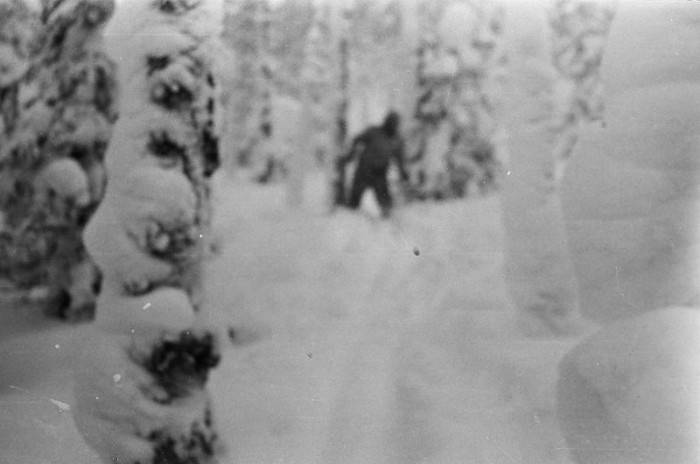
column 375, row 148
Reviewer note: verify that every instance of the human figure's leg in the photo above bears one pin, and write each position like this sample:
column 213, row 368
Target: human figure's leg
column 381, row 191
column 359, row 184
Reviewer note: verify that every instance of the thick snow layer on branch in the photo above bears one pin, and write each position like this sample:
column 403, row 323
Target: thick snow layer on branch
column 12, row 67
column 156, row 194
column 140, row 20
column 132, row 135
column 164, row 309
column 124, row 264
column 137, row 220
column 65, row 178
column 111, row 386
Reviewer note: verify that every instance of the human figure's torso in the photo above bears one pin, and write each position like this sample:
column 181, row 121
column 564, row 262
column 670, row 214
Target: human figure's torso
column 378, row 150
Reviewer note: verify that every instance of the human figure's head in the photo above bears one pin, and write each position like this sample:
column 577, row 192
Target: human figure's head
column 391, row 124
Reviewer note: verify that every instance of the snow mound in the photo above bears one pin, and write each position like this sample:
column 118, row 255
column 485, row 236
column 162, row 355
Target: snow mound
column 65, row 178
column 629, row 393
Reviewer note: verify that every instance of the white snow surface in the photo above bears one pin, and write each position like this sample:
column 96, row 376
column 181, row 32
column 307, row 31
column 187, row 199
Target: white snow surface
column 365, row 341
column 357, row 340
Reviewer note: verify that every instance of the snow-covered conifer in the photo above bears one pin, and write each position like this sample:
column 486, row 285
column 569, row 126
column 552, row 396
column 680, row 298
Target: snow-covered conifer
column 52, row 163
column 18, row 31
column 141, row 389
column 456, row 131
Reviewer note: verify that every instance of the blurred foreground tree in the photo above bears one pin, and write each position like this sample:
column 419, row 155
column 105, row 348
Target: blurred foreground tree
column 141, row 392
column 554, row 51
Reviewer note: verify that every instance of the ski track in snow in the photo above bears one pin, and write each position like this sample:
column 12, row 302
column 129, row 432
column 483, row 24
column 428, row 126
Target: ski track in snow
column 362, row 351
column 349, row 346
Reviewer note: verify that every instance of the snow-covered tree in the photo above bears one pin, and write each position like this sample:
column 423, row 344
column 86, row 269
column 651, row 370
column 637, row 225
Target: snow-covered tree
column 18, row 31
column 455, row 130
column 141, row 388
column 52, row 162
column 579, row 33
column 554, row 51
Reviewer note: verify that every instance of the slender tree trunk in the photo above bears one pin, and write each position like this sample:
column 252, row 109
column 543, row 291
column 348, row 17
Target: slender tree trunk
column 141, row 390
column 341, row 110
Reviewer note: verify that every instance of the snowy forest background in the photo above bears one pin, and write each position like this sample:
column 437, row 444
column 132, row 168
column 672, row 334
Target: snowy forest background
column 167, row 182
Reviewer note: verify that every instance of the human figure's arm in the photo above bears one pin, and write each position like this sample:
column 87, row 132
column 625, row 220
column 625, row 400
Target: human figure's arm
column 356, row 147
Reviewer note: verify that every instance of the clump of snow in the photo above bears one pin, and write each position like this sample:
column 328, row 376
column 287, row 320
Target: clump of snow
column 152, row 194
column 65, row 178
column 137, row 214
column 122, row 262
column 166, row 308
column 118, row 417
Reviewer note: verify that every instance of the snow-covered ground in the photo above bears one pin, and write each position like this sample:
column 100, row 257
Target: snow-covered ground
column 365, row 341
column 358, row 341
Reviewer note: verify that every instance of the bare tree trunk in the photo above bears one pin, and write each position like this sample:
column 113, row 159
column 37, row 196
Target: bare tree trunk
column 141, row 391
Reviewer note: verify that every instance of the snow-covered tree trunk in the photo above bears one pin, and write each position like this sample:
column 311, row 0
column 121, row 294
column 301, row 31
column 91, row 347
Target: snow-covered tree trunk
column 141, row 387
column 52, row 162
column 538, row 92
